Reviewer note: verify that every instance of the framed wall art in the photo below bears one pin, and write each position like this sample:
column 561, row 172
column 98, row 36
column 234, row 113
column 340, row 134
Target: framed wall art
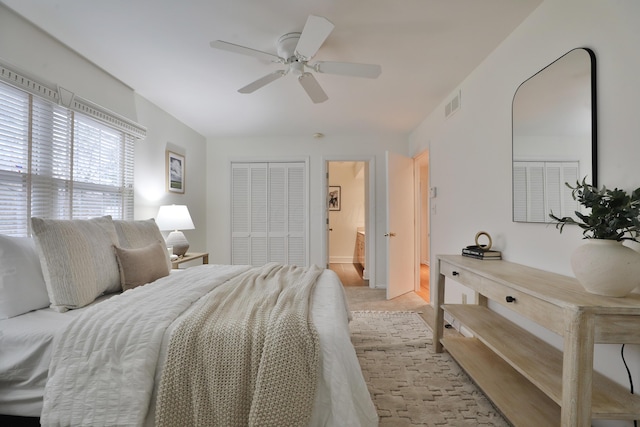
column 334, row 197
column 175, row 172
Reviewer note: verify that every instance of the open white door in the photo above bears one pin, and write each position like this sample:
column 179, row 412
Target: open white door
column 400, row 233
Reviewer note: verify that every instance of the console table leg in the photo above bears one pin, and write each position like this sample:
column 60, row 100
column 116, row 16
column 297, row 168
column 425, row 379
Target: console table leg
column 438, row 328
column 577, row 369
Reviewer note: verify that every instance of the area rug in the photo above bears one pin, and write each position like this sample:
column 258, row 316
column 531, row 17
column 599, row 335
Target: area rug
column 410, row 384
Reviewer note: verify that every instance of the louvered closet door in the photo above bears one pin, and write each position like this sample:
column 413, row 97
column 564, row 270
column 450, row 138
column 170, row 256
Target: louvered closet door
column 287, row 214
column 269, row 215
column 558, row 195
column 249, row 213
column 539, row 188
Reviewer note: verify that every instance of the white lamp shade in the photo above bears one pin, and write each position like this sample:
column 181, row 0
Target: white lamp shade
column 174, row 217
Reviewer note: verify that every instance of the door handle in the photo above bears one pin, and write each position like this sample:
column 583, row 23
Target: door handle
column 389, row 234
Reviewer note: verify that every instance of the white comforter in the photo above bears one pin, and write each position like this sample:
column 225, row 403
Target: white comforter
column 106, row 364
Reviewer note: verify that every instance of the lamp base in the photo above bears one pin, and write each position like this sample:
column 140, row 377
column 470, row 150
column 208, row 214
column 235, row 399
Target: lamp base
column 178, row 241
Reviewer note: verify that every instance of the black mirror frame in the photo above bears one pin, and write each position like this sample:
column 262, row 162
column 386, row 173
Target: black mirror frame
column 594, row 121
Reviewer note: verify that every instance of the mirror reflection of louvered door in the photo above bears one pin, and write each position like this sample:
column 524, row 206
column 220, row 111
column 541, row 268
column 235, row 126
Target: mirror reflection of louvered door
column 268, row 213
column 539, row 189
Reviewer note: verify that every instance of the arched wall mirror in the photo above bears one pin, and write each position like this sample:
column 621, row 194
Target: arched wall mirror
column 554, row 137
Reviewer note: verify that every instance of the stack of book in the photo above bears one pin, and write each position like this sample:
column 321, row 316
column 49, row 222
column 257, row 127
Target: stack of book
column 480, row 253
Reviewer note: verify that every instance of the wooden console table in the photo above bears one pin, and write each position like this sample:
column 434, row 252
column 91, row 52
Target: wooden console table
column 531, row 382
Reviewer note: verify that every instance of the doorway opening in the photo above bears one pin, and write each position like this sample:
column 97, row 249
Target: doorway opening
column 347, row 220
column 423, row 195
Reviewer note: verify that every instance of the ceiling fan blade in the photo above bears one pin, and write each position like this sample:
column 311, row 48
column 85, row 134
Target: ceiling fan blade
column 314, row 33
column 370, row 71
column 219, row 44
column 312, row 87
column 252, row 87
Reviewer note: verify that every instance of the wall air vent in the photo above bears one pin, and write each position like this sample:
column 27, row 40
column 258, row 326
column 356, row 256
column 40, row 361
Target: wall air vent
column 453, row 105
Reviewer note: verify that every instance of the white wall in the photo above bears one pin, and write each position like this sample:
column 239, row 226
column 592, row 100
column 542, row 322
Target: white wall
column 470, row 154
column 221, row 151
column 28, row 48
column 165, row 132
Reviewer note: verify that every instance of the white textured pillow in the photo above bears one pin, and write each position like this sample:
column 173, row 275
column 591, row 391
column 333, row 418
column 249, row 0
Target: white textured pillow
column 77, row 259
column 22, row 286
column 138, row 234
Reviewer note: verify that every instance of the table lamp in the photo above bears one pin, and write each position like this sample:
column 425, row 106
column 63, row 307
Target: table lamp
column 176, row 218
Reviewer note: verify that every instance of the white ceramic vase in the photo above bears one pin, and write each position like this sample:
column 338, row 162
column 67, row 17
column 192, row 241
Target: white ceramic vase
column 606, row 267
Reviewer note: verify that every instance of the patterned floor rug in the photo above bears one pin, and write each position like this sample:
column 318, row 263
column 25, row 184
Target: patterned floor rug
column 410, row 384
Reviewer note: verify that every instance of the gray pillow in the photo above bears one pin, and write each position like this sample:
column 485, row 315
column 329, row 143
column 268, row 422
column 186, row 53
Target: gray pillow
column 77, row 259
column 140, row 266
column 138, row 234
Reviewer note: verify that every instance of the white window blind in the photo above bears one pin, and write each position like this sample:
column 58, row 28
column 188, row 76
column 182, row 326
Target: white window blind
column 57, row 163
column 14, row 159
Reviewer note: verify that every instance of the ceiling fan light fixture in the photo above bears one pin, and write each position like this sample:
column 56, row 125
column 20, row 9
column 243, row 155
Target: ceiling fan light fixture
column 296, row 68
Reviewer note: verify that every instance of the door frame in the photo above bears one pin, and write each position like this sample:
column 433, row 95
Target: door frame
column 370, row 210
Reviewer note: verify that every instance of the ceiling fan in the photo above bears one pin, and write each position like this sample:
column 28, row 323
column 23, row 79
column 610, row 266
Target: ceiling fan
column 295, row 50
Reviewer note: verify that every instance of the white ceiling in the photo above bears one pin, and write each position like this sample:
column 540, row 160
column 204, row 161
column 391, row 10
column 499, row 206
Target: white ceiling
column 161, row 49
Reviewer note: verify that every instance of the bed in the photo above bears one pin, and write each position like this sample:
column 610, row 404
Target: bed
column 101, row 356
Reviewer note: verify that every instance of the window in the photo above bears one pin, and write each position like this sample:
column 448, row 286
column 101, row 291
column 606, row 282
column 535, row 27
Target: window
column 59, row 163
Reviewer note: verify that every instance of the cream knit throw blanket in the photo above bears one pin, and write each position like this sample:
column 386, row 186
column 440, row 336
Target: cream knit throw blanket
column 247, row 356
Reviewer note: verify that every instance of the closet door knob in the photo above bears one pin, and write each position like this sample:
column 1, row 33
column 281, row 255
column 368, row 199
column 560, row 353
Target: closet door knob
column 455, row 273
column 509, row 298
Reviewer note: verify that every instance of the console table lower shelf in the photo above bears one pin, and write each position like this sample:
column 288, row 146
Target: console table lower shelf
column 504, row 386
column 530, row 381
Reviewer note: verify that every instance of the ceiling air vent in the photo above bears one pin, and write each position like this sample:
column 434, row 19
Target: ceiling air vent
column 453, row 105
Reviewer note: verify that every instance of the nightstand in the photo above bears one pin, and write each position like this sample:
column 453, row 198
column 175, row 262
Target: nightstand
column 190, row 257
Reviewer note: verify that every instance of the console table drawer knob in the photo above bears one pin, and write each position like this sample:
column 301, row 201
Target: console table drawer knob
column 509, row 298
column 455, row 273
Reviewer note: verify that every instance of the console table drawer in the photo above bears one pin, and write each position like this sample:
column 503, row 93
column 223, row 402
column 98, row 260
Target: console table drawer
column 548, row 315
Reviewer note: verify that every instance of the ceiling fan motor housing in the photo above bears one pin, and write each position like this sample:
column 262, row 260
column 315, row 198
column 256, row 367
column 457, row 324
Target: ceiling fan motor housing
column 287, row 46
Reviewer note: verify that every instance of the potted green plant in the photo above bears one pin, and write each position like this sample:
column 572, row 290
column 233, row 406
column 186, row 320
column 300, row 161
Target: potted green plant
column 603, row 265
